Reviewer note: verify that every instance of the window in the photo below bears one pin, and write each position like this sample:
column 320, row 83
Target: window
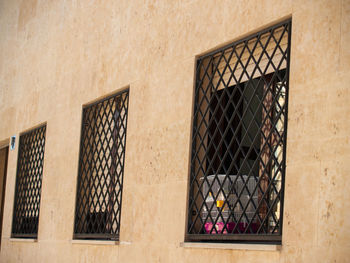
column 239, row 129
column 28, row 183
column 101, row 168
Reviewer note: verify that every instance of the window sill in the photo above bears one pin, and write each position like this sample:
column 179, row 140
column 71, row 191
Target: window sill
column 94, row 242
column 256, row 247
column 24, row 240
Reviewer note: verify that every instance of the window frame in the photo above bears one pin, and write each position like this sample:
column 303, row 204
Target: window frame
column 23, row 151
column 233, row 237
column 91, row 222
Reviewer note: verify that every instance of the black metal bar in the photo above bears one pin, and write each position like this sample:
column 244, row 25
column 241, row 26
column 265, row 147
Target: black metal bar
column 236, row 237
column 24, row 235
column 96, row 236
column 285, row 126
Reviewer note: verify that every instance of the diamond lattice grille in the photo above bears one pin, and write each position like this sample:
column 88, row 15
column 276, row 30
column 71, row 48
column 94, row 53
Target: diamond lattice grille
column 28, row 183
column 101, row 167
column 239, row 139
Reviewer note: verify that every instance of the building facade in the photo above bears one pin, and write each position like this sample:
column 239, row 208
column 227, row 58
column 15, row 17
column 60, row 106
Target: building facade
column 174, row 131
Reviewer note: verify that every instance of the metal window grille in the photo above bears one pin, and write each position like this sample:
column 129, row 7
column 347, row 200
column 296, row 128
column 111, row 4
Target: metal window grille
column 28, row 183
column 239, row 129
column 101, row 168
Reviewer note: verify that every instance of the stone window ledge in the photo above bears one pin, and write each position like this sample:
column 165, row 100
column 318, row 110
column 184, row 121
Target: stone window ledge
column 94, row 242
column 256, row 247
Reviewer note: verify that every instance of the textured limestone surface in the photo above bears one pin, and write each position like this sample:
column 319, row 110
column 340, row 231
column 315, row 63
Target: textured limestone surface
column 56, row 56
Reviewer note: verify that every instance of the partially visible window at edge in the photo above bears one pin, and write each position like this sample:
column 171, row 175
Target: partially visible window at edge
column 30, row 162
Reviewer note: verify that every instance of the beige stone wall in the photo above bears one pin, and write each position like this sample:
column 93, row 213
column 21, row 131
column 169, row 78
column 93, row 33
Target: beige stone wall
column 56, row 56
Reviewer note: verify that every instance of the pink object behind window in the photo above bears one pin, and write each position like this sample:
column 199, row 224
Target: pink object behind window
column 219, row 226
